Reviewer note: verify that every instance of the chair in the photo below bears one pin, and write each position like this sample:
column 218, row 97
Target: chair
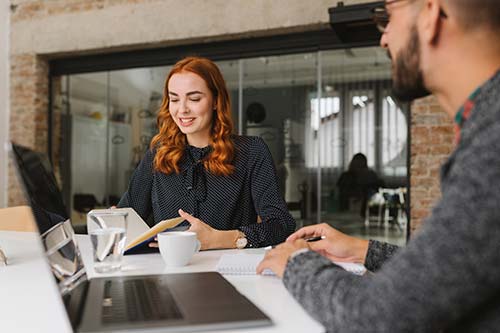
column 17, row 218
column 390, row 205
column 377, row 200
column 395, row 212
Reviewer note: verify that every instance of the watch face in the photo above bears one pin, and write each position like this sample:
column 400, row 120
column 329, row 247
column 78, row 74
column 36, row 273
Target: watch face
column 241, row 243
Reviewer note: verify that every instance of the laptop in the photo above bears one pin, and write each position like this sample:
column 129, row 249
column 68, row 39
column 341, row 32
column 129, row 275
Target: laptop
column 40, row 187
column 186, row 302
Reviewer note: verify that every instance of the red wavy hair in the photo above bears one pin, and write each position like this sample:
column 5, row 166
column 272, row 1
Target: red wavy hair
column 170, row 142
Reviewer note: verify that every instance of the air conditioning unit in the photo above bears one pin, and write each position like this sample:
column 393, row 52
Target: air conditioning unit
column 354, row 23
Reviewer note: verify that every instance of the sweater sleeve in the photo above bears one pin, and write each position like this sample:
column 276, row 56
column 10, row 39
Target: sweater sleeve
column 138, row 195
column 378, row 253
column 277, row 223
column 446, row 272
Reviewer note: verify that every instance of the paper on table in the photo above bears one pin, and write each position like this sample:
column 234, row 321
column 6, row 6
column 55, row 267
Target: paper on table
column 246, row 264
column 162, row 226
column 240, row 264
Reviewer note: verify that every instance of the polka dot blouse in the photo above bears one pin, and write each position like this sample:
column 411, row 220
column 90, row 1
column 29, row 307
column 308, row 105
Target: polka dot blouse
column 223, row 202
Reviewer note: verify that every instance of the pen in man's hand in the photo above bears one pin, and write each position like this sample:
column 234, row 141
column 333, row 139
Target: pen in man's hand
column 314, row 239
column 310, row 239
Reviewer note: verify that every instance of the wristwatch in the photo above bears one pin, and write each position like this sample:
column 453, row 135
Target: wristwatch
column 241, row 241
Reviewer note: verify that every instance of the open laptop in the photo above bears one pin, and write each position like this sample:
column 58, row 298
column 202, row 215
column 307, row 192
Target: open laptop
column 167, row 303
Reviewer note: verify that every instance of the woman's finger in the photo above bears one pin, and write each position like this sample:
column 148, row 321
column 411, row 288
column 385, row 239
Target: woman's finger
column 188, row 217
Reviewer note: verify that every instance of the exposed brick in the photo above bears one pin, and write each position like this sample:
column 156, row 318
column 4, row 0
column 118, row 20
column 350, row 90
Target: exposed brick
column 29, row 105
column 432, row 142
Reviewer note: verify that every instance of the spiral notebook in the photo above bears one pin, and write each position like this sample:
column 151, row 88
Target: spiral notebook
column 246, row 264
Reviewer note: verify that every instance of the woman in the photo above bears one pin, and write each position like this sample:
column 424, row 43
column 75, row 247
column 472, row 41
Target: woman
column 359, row 182
column 219, row 182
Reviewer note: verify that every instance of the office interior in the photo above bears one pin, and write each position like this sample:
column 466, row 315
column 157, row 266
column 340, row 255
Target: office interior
column 314, row 110
column 315, row 98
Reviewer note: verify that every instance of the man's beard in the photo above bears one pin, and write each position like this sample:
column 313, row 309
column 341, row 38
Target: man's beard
column 408, row 81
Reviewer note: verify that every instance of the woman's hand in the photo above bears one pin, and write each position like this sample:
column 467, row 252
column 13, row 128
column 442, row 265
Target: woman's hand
column 154, row 244
column 205, row 233
column 209, row 237
column 335, row 245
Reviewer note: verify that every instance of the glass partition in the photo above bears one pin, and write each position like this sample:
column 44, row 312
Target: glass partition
column 315, row 111
column 277, row 94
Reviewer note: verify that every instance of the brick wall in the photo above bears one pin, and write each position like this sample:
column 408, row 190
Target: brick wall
column 431, row 142
column 29, row 96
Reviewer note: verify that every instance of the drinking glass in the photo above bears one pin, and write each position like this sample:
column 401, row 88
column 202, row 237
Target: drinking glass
column 107, row 232
column 63, row 254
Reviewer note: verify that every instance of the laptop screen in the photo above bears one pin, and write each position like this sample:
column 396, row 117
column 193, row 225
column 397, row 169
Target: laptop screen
column 41, row 187
column 45, row 199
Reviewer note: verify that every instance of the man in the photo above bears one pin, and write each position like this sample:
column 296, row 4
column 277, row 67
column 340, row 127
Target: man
column 448, row 276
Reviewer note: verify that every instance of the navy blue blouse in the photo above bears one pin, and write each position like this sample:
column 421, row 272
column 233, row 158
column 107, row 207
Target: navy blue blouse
column 223, row 202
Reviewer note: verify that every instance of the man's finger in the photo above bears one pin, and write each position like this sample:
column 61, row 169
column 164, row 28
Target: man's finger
column 264, row 264
column 309, row 231
column 319, row 245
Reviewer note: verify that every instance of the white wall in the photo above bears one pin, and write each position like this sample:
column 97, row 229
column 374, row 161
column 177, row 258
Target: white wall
column 167, row 22
column 4, row 97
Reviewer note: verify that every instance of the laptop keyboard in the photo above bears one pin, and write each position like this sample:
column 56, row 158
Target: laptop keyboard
column 137, row 300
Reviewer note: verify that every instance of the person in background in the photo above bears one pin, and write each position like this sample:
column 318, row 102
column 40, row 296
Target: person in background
column 195, row 167
column 447, row 278
column 359, row 182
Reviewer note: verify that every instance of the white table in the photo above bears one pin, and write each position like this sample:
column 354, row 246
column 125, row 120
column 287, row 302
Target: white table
column 30, row 299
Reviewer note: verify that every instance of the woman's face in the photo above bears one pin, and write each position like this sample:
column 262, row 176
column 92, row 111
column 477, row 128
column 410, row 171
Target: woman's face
column 191, row 105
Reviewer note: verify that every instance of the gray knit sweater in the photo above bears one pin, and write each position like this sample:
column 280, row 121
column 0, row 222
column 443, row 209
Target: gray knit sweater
column 448, row 276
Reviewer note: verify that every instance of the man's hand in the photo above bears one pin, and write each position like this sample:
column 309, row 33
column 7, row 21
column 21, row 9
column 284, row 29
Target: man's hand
column 277, row 258
column 335, row 245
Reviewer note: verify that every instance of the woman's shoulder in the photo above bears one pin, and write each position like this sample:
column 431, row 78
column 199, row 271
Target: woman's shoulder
column 150, row 154
column 249, row 149
column 148, row 158
column 248, row 143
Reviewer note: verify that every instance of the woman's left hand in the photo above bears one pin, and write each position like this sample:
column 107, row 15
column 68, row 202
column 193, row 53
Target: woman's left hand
column 205, row 233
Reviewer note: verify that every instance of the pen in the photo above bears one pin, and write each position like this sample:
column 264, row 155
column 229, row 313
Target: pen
column 310, row 239
column 314, row 239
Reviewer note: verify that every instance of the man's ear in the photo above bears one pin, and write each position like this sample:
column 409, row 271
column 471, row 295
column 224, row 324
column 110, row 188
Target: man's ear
column 430, row 21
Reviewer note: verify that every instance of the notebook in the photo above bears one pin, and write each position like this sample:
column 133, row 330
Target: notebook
column 246, row 264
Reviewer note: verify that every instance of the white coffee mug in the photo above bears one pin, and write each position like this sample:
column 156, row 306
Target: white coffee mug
column 178, row 247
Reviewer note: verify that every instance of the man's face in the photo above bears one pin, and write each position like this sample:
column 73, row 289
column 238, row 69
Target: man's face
column 402, row 42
